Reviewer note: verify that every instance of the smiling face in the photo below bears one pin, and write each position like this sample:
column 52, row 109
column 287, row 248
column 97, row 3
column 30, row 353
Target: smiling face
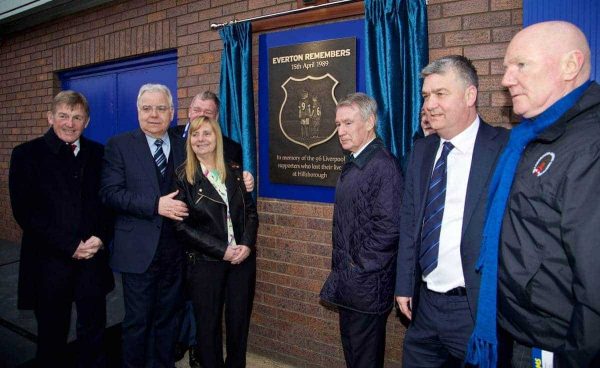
column 200, row 107
column 154, row 113
column 449, row 105
column 68, row 122
column 353, row 131
column 204, row 142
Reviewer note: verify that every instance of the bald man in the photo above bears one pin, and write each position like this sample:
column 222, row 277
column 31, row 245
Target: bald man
column 549, row 243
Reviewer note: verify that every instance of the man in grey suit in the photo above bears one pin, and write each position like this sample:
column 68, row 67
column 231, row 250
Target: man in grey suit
column 442, row 214
column 137, row 177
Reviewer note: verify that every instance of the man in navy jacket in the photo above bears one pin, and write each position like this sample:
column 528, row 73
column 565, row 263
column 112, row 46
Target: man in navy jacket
column 365, row 234
column 441, row 300
column 137, row 178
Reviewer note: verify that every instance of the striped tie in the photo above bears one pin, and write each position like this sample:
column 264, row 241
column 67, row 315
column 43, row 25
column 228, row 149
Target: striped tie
column 434, row 211
column 159, row 157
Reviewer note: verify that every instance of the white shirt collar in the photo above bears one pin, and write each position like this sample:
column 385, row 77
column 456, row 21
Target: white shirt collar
column 355, row 154
column 465, row 140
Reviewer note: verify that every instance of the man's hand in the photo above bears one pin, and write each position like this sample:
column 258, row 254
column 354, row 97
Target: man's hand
column 405, row 304
column 242, row 252
column 230, row 253
column 172, row 208
column 88, row 249
column 248, row 181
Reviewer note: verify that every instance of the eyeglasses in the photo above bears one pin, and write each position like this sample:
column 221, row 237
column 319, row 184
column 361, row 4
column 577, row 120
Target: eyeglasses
column 73, row 118
column 161, row 109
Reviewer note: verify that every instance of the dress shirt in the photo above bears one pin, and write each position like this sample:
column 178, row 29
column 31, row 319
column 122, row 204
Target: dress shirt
column 166, row 146
column 449, row 274
column 77, row 147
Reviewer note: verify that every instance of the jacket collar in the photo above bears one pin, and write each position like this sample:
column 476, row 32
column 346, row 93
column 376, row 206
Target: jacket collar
column 56, row 144
column 367, row 153
column 586, row 101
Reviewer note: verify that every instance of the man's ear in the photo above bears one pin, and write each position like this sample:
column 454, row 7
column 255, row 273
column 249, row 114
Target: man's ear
column 471, row 95
column 50, row 117
column 371, row 123
column 571, row 64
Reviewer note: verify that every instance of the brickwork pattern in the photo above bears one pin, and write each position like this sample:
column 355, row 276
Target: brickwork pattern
column 294, row 238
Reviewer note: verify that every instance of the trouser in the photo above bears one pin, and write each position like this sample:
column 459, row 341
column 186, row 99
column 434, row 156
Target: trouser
column 215, row 285
column 53, row 316
column 363, row 338
column 439, row 332
column 152, row 302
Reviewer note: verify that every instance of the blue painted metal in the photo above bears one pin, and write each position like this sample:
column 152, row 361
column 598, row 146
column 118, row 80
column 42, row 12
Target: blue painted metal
column 584, row 13
column 112, row 88
column 354, row 28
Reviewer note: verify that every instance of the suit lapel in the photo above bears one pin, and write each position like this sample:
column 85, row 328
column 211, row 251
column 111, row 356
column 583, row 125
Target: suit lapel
column 141, row 150
column 485, row 152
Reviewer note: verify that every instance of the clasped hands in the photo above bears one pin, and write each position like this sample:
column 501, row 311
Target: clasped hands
column 88, row 249
column 236, row 254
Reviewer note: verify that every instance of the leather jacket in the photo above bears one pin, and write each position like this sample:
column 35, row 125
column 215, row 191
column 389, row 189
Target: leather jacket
column 204, row 232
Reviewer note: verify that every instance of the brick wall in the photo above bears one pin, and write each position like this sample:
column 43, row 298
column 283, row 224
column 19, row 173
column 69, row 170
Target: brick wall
column 294, row 237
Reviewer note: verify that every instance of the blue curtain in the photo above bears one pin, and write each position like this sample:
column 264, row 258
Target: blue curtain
column 396, row 51
column 236, row 93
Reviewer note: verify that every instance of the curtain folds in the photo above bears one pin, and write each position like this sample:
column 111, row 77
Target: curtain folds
column 396, row 51
column 236, row 91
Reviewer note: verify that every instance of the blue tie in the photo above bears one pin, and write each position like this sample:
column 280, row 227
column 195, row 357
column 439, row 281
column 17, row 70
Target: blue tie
column 159, row 157
column 434, row 212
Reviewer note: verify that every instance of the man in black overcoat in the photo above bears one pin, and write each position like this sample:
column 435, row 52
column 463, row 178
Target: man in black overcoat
column 54, row 182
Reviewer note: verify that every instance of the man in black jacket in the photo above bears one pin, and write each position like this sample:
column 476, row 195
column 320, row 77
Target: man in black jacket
column 54, row 182
column 549, row 279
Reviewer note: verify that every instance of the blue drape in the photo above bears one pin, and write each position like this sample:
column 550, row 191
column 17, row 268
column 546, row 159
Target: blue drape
column 396, row 51
column 236, row 114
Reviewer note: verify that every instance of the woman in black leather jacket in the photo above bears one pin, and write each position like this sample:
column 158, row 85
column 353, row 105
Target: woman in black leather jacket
column 219, row 237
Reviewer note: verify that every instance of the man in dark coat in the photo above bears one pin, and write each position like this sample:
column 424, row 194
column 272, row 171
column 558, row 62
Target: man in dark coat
column 548, row 274
column 137, row 180
column 54, row 182
column 365, row 234
column 440, row 298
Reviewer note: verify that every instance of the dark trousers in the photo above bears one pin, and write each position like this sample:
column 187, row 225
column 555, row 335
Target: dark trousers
column 215, row 285
column 363, row 338
column 439, row 332
column 152, row 303
column 53, row 314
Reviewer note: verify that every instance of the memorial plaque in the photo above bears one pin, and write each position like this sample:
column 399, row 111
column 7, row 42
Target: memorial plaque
column 305, row 83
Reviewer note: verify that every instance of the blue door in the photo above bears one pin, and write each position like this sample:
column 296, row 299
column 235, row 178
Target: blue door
column 111, row 90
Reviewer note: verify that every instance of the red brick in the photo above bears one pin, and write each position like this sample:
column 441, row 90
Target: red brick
column 467, row 38
column 506, row 4
column 438, row 53
column 504, row 34
column 465, row 7
column 489, row 51
column 444, row 25
column 487, row 20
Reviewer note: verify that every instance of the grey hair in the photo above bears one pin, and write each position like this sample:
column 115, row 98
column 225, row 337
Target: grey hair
column 461, row 65
column 207, row 96
column 155, row 88
column 366, row 105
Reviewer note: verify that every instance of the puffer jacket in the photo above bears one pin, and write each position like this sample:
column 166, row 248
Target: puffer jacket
column 365, row 232
column 204, row 231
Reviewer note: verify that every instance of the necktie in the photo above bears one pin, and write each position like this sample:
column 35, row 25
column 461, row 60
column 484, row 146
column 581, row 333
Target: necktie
column 159, row 157
column 434, row 211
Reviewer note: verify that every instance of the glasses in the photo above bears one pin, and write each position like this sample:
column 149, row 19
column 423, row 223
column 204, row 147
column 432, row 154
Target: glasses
column 161, row 109
column 73, row 118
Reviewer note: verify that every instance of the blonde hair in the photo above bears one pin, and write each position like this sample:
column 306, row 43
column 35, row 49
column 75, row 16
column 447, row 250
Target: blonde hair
column 192, row 163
